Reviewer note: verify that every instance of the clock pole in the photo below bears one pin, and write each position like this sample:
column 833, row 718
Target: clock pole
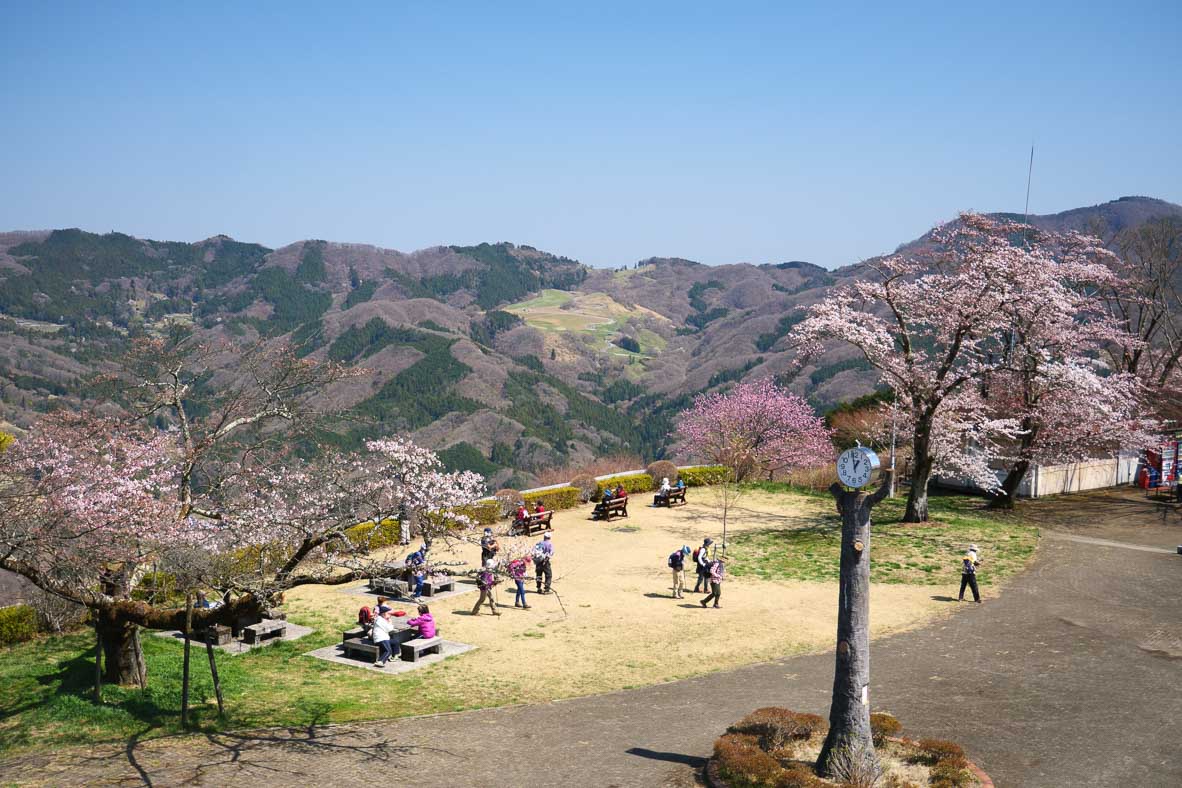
column 849, row 715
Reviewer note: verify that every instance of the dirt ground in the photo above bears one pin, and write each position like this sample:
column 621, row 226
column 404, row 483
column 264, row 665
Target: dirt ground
column 613, row 623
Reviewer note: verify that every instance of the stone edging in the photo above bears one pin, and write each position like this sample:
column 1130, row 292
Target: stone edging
column 714, row 780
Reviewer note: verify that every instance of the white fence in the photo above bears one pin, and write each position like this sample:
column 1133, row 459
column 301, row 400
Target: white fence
column 1043, row 480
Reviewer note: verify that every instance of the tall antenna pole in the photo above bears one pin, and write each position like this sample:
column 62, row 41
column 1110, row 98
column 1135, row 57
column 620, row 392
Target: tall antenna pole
column 1029, row 173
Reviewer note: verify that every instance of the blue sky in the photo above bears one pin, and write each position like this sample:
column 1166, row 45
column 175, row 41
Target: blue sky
column 610, row 132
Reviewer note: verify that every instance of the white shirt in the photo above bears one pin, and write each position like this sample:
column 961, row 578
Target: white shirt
column 381, row 630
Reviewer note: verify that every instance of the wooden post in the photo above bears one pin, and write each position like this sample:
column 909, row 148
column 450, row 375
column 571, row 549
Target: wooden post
column 185, row 671
column 213, row 670
column 98, row 663
column 849, row 714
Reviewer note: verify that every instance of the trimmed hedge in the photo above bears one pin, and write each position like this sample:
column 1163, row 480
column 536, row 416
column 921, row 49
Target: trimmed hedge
column 484, row 512
column 17, row 623
column 558, row 498
column 633, row 483
column 703, row 475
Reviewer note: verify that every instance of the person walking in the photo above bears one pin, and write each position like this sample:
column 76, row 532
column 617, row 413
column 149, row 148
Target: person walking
column 968, row 574
column 381, row 638
column 677, row 564
column 717, row 575
column 517, row 572
column 542, row 555
column 702, row 561
column 488, row 546
column 485, row 580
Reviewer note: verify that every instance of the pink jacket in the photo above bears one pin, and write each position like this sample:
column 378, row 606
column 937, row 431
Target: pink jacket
column 425, row 624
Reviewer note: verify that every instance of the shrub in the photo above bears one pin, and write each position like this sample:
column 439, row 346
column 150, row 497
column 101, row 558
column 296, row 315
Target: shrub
column 508, row 499
column 775, row 727
column 484, row 512
column 558, row 498
column 662, row 469
column 819, row 478
column 55, row 614
column 743, row 764
column 17, row 623
column 950, row 774
column 883, row 726
column 633, row 483
column 587, row 487
column 895, row 781
column 371, row 536
column 932, row 751
column 855, row 765
column 703, row 475
column 799, row 777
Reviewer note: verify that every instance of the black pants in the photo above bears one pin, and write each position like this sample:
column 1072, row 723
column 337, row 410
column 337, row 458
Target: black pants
column 703, row 583
column 543, row 568
column 971, row 582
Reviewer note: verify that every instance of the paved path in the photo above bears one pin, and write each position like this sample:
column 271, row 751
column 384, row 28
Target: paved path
column 1071, row 678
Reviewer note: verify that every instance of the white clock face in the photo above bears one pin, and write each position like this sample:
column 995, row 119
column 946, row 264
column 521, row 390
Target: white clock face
column 854, row 468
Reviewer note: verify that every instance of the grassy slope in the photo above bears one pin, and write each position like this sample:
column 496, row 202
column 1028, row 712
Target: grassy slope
column 926, row 554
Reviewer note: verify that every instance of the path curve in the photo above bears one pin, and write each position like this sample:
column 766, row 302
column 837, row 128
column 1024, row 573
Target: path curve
column 1070, row 678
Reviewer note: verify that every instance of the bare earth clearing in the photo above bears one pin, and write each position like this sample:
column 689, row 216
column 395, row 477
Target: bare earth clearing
column 621, row 628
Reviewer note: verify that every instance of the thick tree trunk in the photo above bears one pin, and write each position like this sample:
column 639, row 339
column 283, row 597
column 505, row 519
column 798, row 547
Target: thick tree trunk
column 122, row 656
column 917, row 497
column 849, row 714
column 1004, row 499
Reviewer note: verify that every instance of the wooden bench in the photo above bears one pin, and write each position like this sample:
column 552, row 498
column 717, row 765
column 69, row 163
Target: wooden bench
column 411, row 650
column 539, row 521
column 674, row 494
column 437, row 585
column 359, row 646
column 609, row 509
column 256, row 633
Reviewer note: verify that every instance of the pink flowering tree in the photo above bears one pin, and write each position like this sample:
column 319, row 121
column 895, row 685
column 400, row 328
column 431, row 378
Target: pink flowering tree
column 752, row 429
column 940, row 321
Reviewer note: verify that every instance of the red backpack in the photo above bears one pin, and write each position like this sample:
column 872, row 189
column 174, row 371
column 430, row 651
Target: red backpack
column 364, row 616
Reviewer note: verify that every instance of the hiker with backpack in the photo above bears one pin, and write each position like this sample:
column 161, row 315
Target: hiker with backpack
column 485, row 580
column 716, row 576
column 517, row 572
column 702, row 565
column 543, row 552
column 677, row 564
column 488, row 547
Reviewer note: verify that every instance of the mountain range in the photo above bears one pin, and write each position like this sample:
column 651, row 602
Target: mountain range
column 504, row 358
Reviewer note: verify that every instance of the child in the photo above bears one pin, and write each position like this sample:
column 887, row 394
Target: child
column 381, row 638
column 968, row 574
column 424, row 623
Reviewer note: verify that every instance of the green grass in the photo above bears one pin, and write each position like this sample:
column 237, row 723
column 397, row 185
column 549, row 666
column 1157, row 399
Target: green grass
column 925, row 554
column 45, row 691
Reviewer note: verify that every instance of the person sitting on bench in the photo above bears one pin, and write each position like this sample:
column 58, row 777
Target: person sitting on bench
column 540, row 508
column 423, row 622
column 521, row 516
column 601, row 507
column 663, row 493
column 381, row 637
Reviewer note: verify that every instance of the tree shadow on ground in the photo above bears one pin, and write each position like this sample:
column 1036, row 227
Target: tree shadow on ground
column 939, row 598
column 670, row 757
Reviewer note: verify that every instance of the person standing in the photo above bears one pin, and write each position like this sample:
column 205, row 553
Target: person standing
column 677, row 564
column 717, row 575
column 968, row 574
column 485, row 580
column 702, row 561
column 381, row 637
column 488, row 547
column 517, row 572
column 542, row 555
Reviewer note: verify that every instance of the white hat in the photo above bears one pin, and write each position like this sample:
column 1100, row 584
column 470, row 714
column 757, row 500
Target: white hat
column 545, row 536
column 489, row 564
column 973, row 547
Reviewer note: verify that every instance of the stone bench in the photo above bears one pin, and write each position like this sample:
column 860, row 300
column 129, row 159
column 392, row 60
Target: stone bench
column 359, row 646
column 437, row 585
column 256, row 633
column 389, row 586
column 218, row 634
column 354, row 634
column 411, row 650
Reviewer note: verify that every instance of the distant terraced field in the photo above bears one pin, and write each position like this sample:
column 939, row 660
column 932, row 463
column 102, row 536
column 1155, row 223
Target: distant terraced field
column 597, row 314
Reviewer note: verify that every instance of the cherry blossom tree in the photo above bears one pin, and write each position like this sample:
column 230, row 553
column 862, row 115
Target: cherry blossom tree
column 938, row 321
column 754, row 428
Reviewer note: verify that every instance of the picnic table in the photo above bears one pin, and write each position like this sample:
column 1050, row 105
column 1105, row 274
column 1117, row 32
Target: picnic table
column 356, row 641
column 538, row 521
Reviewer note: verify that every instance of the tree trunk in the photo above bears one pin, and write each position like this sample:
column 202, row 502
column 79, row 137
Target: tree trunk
column 1004, row 499
column 849, row 714
column 185, row 670
column 921, row 462
column 122, row 655
column 98, row 664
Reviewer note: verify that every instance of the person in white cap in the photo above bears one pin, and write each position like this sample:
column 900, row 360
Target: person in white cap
column 486, row 579
column 968, row 574
column 543, row 552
